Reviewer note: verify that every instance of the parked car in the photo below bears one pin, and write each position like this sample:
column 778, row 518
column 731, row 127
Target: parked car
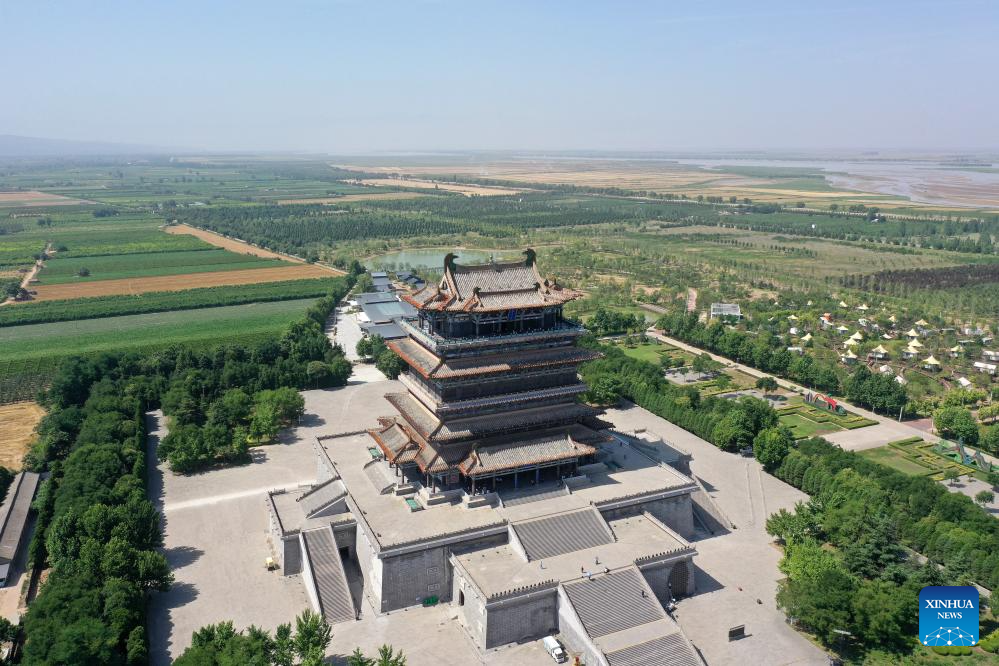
column 554, row 648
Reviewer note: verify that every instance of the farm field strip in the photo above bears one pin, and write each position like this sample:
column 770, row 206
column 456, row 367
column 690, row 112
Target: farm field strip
column 177, row 282
column 467, row 190
column 38, row 341
column 35, row 199
column 17, row 431
column 191, row 299
column 762, row 185
column 347, row 198
column 122, row 241
column 238, row 246
column 61, row 270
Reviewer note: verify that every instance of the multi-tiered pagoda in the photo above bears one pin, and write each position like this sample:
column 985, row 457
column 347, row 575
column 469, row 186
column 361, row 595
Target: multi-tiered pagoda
column 492, row 382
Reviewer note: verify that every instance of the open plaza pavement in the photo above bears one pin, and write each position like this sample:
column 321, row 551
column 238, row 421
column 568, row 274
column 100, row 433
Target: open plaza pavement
column 216, row 540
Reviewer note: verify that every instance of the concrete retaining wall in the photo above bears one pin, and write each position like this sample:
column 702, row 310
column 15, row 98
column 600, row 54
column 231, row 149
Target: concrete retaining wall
column 371, row 567
column 522, row 618
column 471, row 606
column 676, row 512
column 412, row 577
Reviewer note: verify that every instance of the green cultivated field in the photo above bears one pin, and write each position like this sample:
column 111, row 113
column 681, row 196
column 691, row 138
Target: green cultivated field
column 140, row 185
column 29, row 355
column 81, row 234
column 61, row 270
column 16, row 251
column 127, row 239
column 208, row 325
column 41, row 312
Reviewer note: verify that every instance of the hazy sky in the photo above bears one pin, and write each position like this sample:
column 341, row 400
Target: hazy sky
column 363, row 76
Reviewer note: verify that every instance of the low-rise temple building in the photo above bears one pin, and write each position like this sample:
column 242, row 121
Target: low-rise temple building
column 494, row 489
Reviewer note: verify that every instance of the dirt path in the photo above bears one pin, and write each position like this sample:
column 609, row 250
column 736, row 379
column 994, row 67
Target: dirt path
column 240, row 247
column 691, row 299
column 39, row 264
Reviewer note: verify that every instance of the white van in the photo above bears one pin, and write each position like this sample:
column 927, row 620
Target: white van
column 554, row 648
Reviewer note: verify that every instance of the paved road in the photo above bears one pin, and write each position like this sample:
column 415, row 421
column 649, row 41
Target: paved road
column 887, row 430
column 971, row 486
column 343, row 329
column 735, row 568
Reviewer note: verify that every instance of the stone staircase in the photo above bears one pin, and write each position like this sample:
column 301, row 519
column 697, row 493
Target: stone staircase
column 614, row 602
column 671, row 650
column 328, row 577
column 321, row 496
column 563, row 533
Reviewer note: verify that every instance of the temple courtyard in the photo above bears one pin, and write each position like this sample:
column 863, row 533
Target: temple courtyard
column 216, row 539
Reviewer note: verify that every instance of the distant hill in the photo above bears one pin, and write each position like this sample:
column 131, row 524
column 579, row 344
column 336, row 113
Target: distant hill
column 29, row 146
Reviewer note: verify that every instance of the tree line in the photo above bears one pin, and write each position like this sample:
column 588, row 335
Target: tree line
column 610, row 322
column 867, row 584
column 221, row 645
column 947, row 277
column 96, row 530
column 303, row 229
column 763, row 351
column 728, row 424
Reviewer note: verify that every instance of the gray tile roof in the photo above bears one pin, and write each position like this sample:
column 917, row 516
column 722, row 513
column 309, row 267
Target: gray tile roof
column 381, row 478
column 524, row 450
column 563, row 533
column 670, row 650
column 321, row 496
column 14, row 513
column 389, row 331
column 374, row 297
column 489, row 287
column 614, row 602
column 416, row 355
column 436, row 458
column 386, row 311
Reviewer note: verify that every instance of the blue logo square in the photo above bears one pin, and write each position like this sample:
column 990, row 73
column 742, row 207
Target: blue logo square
column 948, row 615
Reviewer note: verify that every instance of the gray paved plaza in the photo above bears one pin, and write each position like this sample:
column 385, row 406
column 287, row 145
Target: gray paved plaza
column 737, row 568
column 216, row 541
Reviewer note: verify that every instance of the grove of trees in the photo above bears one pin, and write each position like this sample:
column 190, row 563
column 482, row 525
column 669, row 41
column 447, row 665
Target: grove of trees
column 96, row 530
column 610, row 322
column 762, row 351
column 387, row 361
column 729, row 424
